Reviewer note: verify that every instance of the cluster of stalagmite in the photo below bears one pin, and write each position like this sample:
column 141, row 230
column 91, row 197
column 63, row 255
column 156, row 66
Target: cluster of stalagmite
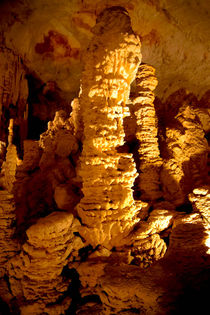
column 67, row 210
column 146, row 133
column 107, row 209
column 35, row 273
column 186, row 152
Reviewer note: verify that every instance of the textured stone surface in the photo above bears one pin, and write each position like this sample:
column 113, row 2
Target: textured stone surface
column 122, row 255
column 11, row 161
column 107, row 209
column 13, row 94
column 35, row 273
column 175, row 283
column 186, row 149
column 146, row 133
column 200, row 198
column 8, row 246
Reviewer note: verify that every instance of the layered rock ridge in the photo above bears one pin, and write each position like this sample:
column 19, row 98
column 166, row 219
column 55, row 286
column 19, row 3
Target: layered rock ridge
column 146, row 133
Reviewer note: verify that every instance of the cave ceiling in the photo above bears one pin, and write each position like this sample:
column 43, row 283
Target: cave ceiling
column 51, row 36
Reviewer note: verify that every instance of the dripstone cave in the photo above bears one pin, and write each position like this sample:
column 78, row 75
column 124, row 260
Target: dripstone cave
column 104, row 157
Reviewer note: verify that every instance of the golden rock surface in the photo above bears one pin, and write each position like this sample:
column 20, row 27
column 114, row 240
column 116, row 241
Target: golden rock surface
column 107, row 209
column 36, row 272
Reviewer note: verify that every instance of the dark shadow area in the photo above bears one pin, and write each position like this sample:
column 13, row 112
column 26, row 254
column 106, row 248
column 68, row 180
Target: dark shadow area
column 44, row 100
column 187, row 265
column 4, row 308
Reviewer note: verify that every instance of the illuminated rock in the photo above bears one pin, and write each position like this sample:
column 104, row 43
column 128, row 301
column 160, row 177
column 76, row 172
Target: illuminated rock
column 133, row 256
column 10, row 165
column 185, row 163
column 200, row 199
column 35, row 273
column 146, row 133
column 107, row 210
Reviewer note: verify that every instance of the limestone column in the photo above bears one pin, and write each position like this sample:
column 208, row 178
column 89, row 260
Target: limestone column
column 107, row 210
column 146, row 133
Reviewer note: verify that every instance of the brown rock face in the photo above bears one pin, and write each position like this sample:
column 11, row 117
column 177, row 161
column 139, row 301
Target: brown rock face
column 8, row 246
column 13, row 94
column 107, row 209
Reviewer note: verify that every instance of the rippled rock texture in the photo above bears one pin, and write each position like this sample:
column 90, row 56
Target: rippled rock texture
column 108, row 210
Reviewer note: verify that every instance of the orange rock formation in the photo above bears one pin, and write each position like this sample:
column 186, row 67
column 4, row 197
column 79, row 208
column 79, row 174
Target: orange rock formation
column 146, row 133
column 107, row 210
column 74, row 238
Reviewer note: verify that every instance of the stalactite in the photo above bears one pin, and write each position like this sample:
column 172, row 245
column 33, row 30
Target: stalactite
column 146, row 133
column 107, row 209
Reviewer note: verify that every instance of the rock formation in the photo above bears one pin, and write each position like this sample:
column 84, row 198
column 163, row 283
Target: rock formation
column 83, row 228
column 8, row 246
column 146, row 133
column 13, row 95
column 186, row 150
column 35, row 274
column 107, row 210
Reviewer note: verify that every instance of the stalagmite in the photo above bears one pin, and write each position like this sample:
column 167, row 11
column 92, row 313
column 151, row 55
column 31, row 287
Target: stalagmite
column 10, row 165
column 35, row 273
column 8, row 245
column 146, row 133
column 107, row 210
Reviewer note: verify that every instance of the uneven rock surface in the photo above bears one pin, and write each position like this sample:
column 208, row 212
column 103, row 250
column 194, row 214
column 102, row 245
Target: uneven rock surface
column 104, row 198
column 146, row 133
column 13, row 94
column 107, row 209
column 8, row 246
column 186, row 150
column 35, row 274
